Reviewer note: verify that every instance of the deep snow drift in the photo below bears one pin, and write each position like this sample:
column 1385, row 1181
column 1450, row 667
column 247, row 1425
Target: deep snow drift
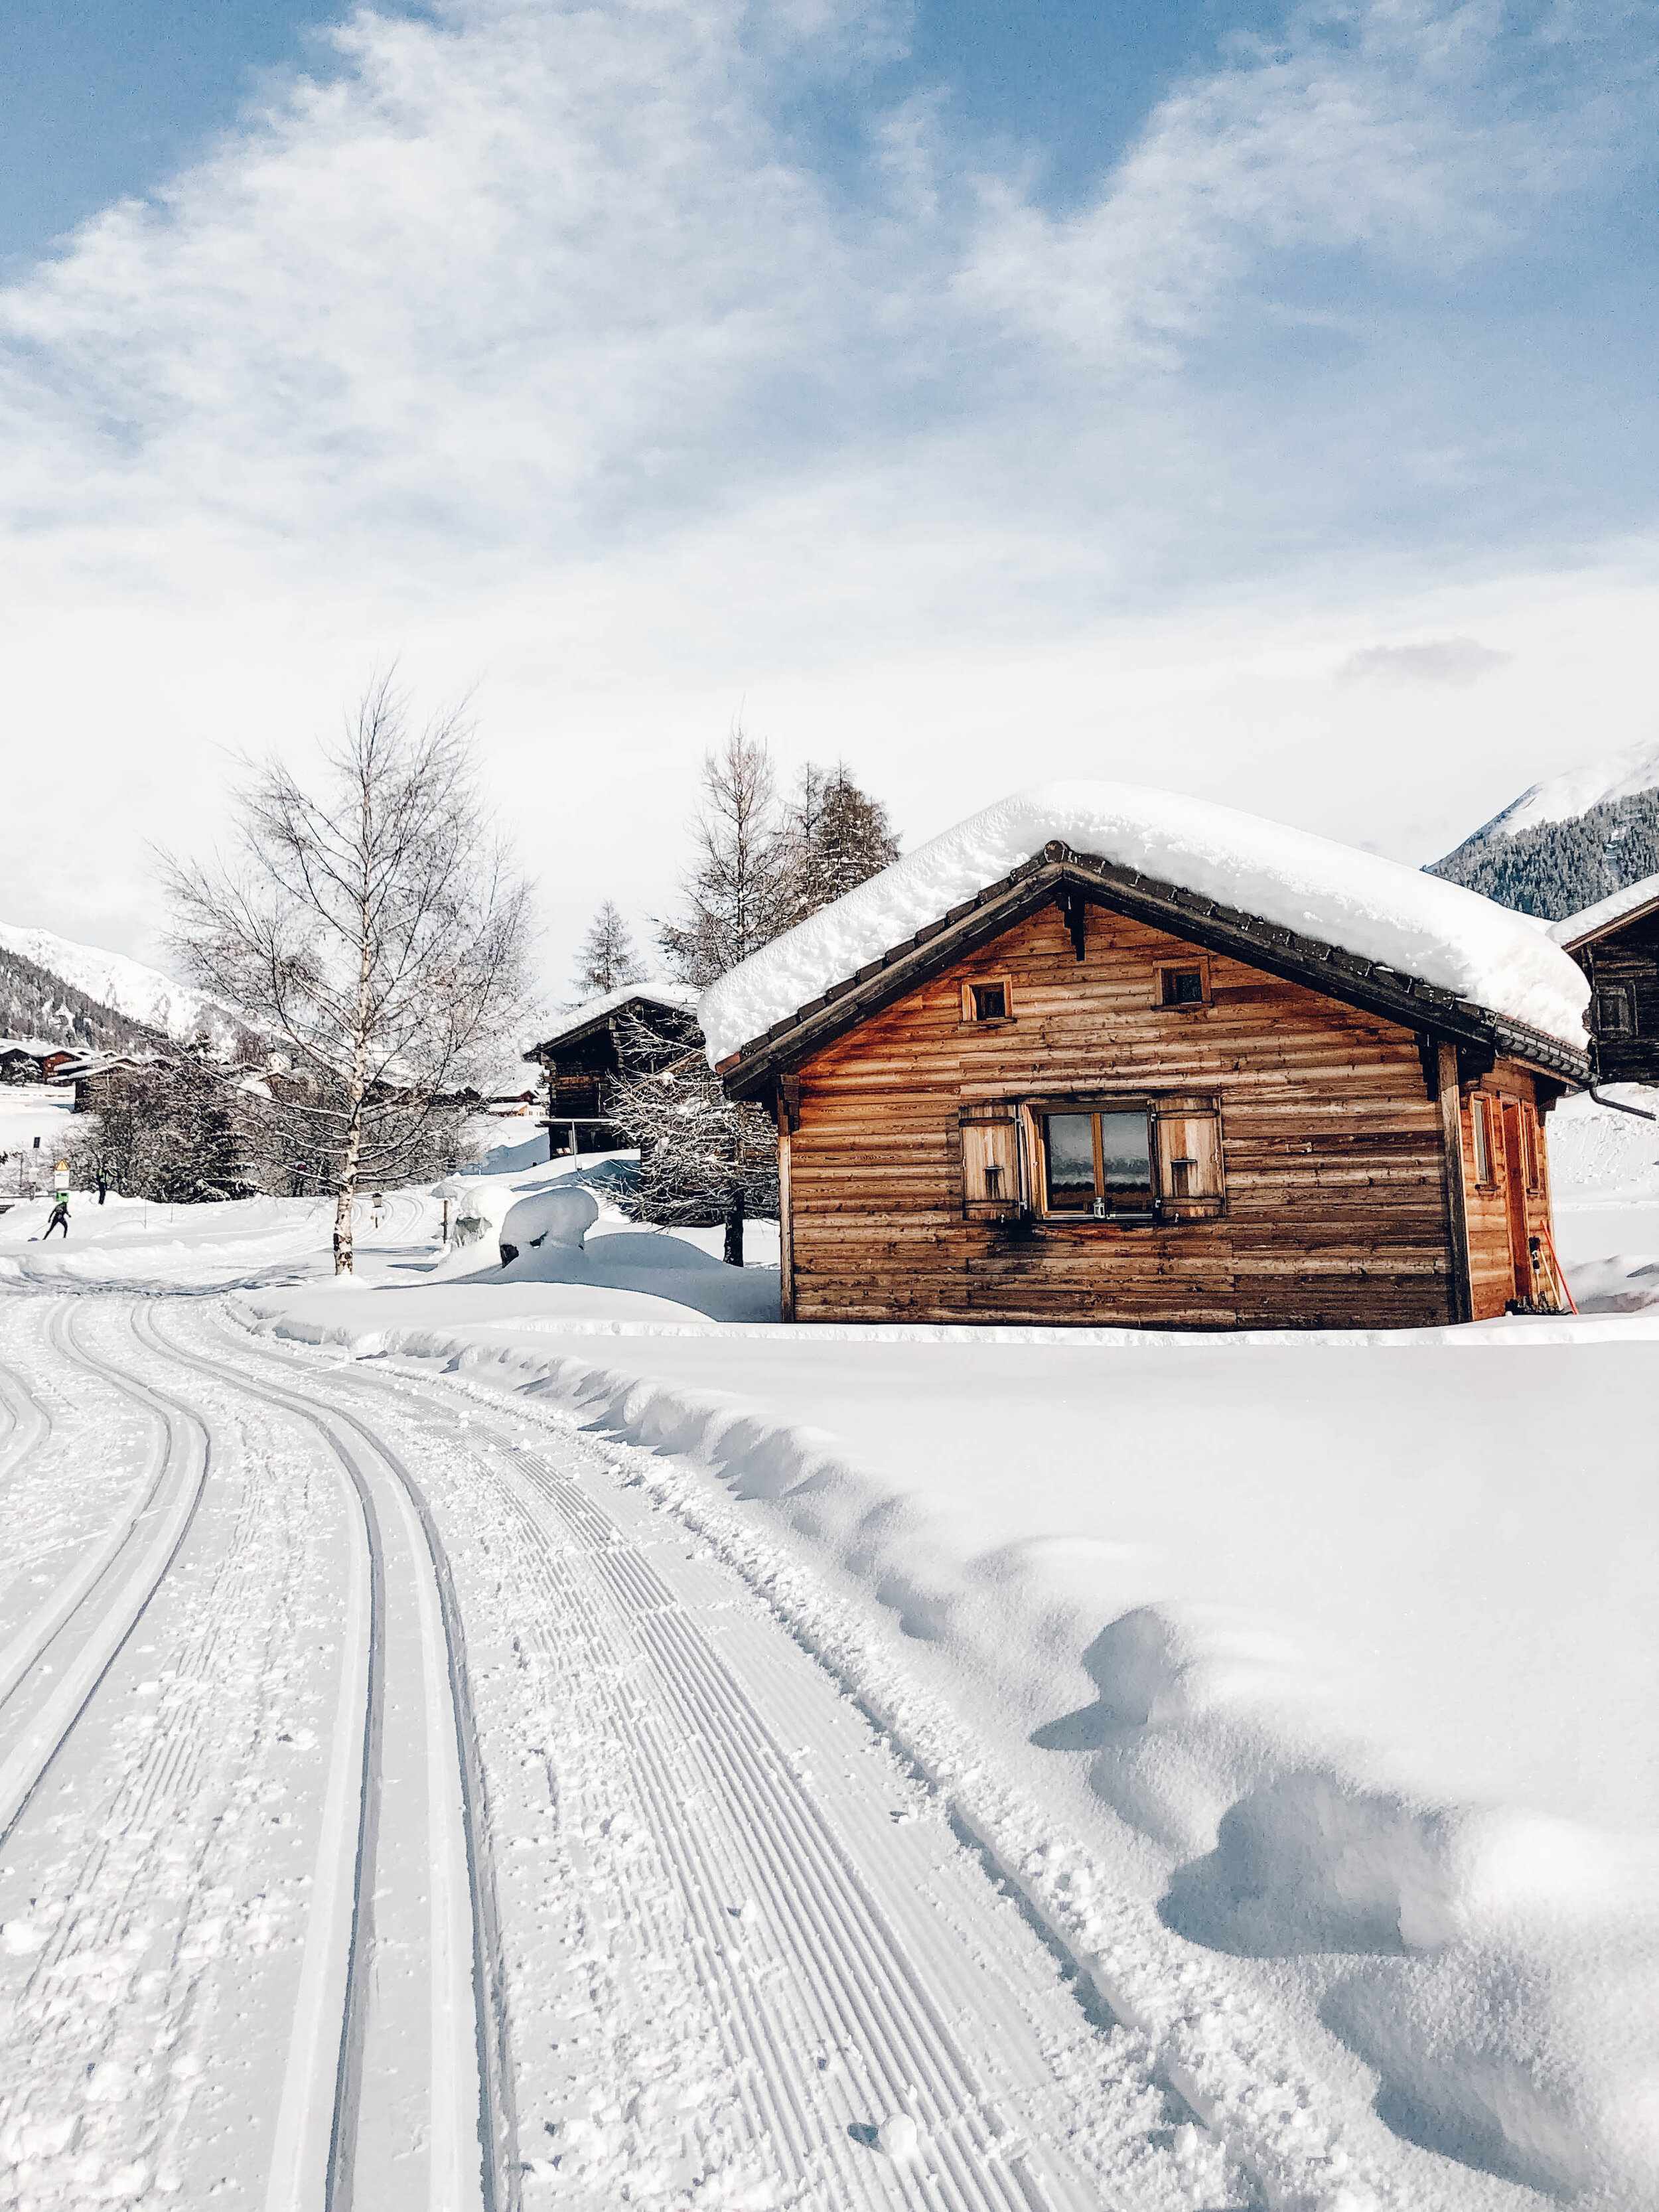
column 1369, row 906
column 1325, row 1663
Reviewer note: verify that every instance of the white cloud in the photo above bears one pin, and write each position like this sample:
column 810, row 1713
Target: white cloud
column 1458, row 661
column 533, row 349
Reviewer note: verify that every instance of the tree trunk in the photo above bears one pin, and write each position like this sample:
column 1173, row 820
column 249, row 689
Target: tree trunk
column 733, row 1254
column 348, row 1187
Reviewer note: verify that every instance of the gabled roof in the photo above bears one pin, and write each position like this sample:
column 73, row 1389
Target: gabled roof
column 1420, row 952
column 582, row 1021
column 1633, row 904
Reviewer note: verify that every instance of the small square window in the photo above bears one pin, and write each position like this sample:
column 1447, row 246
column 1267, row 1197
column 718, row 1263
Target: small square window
column 990, row 999
column 1184, row 983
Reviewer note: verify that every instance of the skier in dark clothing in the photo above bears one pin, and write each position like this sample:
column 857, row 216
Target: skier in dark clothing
column 59, row 1217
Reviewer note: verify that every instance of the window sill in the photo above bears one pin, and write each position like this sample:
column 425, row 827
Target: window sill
column 994, row 1022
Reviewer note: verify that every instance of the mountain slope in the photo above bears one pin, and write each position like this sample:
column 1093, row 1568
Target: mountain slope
column 37, row 1007
column 112, row 981
column 1568, row 841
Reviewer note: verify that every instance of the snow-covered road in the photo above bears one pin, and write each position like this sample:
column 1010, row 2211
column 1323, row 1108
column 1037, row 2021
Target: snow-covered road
column 400, row 1808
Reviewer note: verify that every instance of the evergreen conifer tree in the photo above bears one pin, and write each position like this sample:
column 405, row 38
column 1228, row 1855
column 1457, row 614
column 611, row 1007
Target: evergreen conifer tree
column 836, row 837
column 606, row 960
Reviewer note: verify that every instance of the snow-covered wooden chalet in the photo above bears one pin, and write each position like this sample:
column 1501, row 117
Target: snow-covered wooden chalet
column 1105, row 1055
column 580, row 1056
column 1616, row 943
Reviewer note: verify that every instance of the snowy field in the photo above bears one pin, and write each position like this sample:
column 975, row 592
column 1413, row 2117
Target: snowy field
column 554, row 1734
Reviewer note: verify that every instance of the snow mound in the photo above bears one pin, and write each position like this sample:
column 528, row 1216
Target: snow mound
column 1565, row 797
column 559, row 1217
column 1373, row 908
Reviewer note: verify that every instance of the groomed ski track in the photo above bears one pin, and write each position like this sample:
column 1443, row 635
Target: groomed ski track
column 605, row 1894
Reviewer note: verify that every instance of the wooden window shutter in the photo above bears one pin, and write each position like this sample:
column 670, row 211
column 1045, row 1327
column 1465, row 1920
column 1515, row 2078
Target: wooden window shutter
column 990, row 1161
column 1191, row 1178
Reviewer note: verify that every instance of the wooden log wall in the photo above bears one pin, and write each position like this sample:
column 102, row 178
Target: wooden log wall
column 1336, row 1212
column 1507, row 1209
column 1626, row 962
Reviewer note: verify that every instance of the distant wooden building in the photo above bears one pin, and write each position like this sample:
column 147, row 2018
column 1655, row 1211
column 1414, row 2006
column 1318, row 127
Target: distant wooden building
column 1087, row 1095
column 19, row 1065
column 1616, row 943
column 580, row 1057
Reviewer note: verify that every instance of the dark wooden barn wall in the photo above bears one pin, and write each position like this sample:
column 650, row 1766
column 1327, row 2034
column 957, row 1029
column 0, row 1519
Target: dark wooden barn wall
column 1628, row 957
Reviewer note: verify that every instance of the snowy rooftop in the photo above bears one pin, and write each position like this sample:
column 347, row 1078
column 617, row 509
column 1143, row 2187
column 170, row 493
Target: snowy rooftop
column 660, row 991
column 1375, row 909
column 1590, row 921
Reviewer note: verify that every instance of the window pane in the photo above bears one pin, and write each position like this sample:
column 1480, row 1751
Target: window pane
column 990, row 1002
column 1124, row 1148
column 1069, row 1143
column 1183, row 987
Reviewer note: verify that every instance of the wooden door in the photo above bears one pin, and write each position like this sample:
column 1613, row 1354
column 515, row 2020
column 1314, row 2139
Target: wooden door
column 1514, row 1192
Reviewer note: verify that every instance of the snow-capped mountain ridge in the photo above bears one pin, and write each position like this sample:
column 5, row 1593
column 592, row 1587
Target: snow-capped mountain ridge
column 1570, row 841
column 1565, row 797
column 142, row 994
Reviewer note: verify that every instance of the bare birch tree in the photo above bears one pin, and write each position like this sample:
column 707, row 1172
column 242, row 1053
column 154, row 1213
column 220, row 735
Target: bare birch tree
column 372, row 931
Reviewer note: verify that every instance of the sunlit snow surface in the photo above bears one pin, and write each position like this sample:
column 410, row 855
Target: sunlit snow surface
column 1304, row 1685
column 1369, row 906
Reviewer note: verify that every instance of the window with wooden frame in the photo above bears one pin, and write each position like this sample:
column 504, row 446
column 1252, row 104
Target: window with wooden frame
column 1486, row 1174
column 987, row 998
column 1126, row 1159
column 990, row 1184
column 1614, row 1010
column 1183, row 984
column 1532, row 1150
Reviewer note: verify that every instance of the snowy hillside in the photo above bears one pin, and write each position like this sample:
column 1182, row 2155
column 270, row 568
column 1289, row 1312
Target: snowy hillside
column 1565, row 797
column 144, row 995
column 1570, row 841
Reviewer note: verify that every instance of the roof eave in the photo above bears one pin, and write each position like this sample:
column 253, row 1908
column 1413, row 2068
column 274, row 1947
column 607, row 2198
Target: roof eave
column 1642, row 913
column 1324, row 968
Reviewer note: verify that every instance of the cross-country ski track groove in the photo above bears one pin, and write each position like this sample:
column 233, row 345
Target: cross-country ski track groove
column 858, row 1976
column 473, row 2156
column 852, row 2017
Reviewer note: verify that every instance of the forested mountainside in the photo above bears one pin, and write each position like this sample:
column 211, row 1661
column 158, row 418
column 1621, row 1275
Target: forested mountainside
column 34, row 1003
column 1554, row 868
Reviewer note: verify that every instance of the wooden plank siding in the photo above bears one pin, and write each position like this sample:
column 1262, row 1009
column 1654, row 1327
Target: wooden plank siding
column 1336, row 1210
column 1492, row 1262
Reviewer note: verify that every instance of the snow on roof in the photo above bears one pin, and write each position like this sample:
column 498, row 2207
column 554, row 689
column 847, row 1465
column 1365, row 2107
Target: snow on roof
column 1590, row 921
column 1375, row 908
column 661, row 991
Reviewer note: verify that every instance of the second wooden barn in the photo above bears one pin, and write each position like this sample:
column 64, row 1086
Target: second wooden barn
column 1103, row 1055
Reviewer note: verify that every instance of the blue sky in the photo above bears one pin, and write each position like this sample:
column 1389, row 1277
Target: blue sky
column 987, row 393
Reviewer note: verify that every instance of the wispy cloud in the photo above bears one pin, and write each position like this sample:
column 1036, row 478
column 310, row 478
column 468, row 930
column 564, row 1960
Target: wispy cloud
column 535, row 331
column 1458, row 661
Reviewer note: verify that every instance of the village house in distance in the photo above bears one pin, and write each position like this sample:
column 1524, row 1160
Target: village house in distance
column 1105, row 1054
column 1616, row 943
column 580, row 1057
